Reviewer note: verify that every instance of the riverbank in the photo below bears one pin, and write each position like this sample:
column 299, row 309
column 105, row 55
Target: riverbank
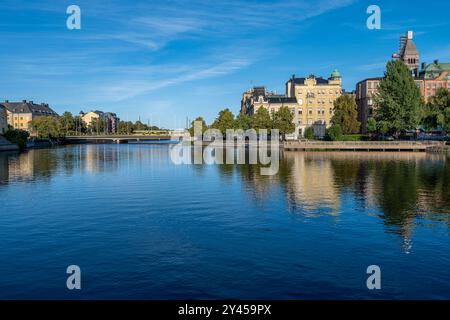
column 384, row 146
column 5, row 145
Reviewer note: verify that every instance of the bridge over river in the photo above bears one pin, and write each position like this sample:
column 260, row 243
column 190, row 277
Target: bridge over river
column 121, row 138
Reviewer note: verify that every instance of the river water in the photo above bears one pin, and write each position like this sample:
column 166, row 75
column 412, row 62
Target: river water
column 141, row 227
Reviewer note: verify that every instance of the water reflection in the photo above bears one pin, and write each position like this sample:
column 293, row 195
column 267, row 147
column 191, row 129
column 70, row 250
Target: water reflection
column 398, row 187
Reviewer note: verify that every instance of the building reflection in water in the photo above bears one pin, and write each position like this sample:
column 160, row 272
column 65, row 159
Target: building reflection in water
column 395, row 187
column 41, row 164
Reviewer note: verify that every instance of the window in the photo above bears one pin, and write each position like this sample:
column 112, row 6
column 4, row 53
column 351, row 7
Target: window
column 310, row 112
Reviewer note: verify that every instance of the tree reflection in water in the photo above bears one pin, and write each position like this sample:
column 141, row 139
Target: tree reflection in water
column 400, row 187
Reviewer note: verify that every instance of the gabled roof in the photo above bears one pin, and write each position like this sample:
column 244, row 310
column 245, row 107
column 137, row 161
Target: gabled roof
column 29, row 107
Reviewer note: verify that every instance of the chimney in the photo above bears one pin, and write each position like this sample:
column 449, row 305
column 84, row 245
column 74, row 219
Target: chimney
column 424, row 65
column 436, row 61
column 410, row 35
column 31, row 101
column 24, row 101
column 6, row 101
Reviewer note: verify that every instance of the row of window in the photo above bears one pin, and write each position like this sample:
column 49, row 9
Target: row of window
column 320, row 92
column 310, row 111
column 438, row 85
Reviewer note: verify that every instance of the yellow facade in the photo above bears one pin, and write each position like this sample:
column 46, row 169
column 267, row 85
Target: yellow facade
column 20, row 120
column 89, row 117
column 20, row 114
column 315, row 99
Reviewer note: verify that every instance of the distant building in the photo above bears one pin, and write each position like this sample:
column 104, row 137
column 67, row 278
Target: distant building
column 434, row 76
column 3, row 120
column 365, row 94
column 315, row 97
column 19, row 114
column 409, row 54
column 428, row 80
column 110, row 119
column 311, row 101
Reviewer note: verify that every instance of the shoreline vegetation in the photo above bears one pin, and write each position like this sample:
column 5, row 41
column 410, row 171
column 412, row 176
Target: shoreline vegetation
column 401, row 114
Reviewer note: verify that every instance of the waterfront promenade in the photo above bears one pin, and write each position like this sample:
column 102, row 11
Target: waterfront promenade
column 421, row 146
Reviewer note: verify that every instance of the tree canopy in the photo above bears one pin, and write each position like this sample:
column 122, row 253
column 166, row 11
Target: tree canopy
column 437, row 114
column 224, row 121
column 262, row 119
column 346, row 114
column 46, row 127
column 283, row 121
column 243, row 122
column 398, row 100
column 202, row 121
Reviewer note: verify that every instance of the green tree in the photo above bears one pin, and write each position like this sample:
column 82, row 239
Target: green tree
column 398, row 100
column 67, row 123
column 243, row 122
column 309, row 133
column 283, row 121
column 224, row 121
column 204, row 126
column 98, row 126
column 46, row 127
column 334, row 133
column 126, row 127
column 372, row 126
column 437, row 111
column 262, row 119
column 139, row 126
column 17, row 136
column 346, row 114
column 80, row 125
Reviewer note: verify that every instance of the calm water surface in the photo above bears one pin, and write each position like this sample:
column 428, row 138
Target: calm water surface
column 141, row 227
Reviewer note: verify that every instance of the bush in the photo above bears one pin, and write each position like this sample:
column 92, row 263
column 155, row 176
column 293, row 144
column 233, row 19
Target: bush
column 309, row 133
column 334, row 133
column 354, row 137
column 18, row 137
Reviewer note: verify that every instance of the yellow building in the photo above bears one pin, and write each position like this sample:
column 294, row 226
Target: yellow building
column 315, row 98
column 90, row 116
column 311, row 100
column 19, row 114
column 3, row 120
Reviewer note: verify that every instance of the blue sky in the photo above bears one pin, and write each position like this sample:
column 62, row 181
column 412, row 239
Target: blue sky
column 164, row 61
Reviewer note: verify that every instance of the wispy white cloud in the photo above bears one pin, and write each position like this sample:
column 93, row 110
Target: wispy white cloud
column 132, row 87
